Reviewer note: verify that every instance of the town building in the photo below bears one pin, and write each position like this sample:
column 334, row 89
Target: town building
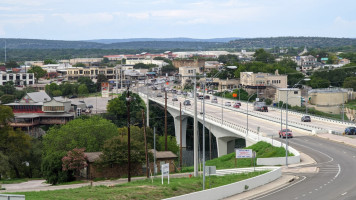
column 210, row 65
column 37, row 108
column 219, row 84
column 329, row 100
column 293, row 94
column 92, row 72
column 189, row 63
column 186, row 73
column 18, row 79
column 261, row 80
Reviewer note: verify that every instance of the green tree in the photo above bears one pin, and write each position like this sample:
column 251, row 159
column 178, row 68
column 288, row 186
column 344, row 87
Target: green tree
column 170, row 69
column 117, row 108
column 100, row 79
column 11, row 64
column 262, row 56
column 228, row 59
column 171, row 144
column 7, row 98
column 115, row 151
column 38, row 72
column 317, row 82
column 4, row 166
column 82, row 90
column 88, row 82
column 57, row 93
column 350, row 82
column 49, row 61
column 89, row 133
column 79, row 65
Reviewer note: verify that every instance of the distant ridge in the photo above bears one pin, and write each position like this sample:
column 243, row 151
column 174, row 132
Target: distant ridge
column 179, row 43
column 179, row 39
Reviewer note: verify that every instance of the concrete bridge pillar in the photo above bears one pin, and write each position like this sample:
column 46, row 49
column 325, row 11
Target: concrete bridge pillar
column 225, row 145
column 184, row 130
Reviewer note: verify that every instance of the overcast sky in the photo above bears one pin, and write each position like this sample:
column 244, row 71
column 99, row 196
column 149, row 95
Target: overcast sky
column 117, row 19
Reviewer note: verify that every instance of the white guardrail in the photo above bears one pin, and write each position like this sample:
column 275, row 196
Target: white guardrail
column 234, row 188
column 242, row 131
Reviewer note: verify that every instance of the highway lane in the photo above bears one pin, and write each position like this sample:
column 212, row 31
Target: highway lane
column 335, row 179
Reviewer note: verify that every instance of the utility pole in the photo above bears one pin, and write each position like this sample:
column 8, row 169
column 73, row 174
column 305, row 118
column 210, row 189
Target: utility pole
column 128, row 134
column 180, row 136
column 286, row 130
column 196, row 138
column 165, row 120
column 148, row 105
column 154, row 147
column 117, row 81
column 144, row 133
column 204, row 136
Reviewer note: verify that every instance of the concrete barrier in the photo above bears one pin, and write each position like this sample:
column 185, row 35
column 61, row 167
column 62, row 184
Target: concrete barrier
column 233, row 188
column 11, row 197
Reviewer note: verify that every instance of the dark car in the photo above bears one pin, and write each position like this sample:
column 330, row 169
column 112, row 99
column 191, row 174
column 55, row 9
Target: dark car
column 350, row 131
column 186, row 103
column 201, row 97
column 285, row 133
column 207, row 97
column 306, row 118
column 264, row 109
column 185, row 93
column 73, row 96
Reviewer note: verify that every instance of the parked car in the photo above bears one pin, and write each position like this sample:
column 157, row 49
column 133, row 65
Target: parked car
column 73, row 96
column 350, row 131
column 174, row 99
column 201, row 96
column 186, row 103
column 285, row 133
column 306, row 118
column 154, row 88
column 185, row 93
column 228, row 103
column 90, row 106
column 179, row 93
column 236, row 105
column 159, row 95
column 214, row 100
column 207, row 97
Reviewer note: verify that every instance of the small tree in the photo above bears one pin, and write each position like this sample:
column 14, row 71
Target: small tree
column 83, row 90
column 38, row 72
column 74, row 160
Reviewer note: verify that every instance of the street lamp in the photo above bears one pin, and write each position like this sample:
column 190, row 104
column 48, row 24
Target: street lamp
column 305, row 79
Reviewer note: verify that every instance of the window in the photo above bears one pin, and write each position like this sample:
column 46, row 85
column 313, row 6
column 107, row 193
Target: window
column 295, row 92
column 24, row 76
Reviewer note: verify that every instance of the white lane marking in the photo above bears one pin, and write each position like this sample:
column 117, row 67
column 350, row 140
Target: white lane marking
column 331, row 158
column 310, row 192
column 304, row 177
column 316, row 189
column 344, row 193
column 338, row 171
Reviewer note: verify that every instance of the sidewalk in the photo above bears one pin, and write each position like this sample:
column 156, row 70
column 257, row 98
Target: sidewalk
column 338, row 138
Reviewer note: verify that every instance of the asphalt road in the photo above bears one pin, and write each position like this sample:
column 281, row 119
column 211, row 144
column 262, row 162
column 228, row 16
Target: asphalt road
column 335, row 179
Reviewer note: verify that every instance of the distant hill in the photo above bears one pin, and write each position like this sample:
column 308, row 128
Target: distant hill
column 314, row 42
column 180, row 39
column 180, row 43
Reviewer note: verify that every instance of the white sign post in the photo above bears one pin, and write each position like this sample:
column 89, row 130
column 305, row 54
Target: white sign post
column 165, row 171
column 243, row 153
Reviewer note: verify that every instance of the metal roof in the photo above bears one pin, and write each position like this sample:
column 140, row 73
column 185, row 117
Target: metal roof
column 39, row 96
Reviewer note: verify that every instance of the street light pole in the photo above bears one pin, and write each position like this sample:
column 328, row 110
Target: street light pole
column 196, row 138
column 204, row 136
column 247, row 113
column 128, row 134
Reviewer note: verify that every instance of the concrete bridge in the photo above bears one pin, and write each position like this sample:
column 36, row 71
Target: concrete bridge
column 224, row 131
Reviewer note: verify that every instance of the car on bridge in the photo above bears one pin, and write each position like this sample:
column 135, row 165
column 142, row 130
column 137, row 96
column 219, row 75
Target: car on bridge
column 174, row 99
column 237, row 105
column 186, row 103
column 350, row 131
column 285, row 133
column 159, row 95
column 228, row 103
column 306, row 118
column 214, row 100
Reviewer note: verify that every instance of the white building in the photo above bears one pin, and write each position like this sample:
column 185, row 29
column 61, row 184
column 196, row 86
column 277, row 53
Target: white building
column 294, row 96
column 17, row 78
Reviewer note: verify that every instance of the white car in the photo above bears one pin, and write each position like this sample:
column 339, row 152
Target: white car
column 228, row 103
